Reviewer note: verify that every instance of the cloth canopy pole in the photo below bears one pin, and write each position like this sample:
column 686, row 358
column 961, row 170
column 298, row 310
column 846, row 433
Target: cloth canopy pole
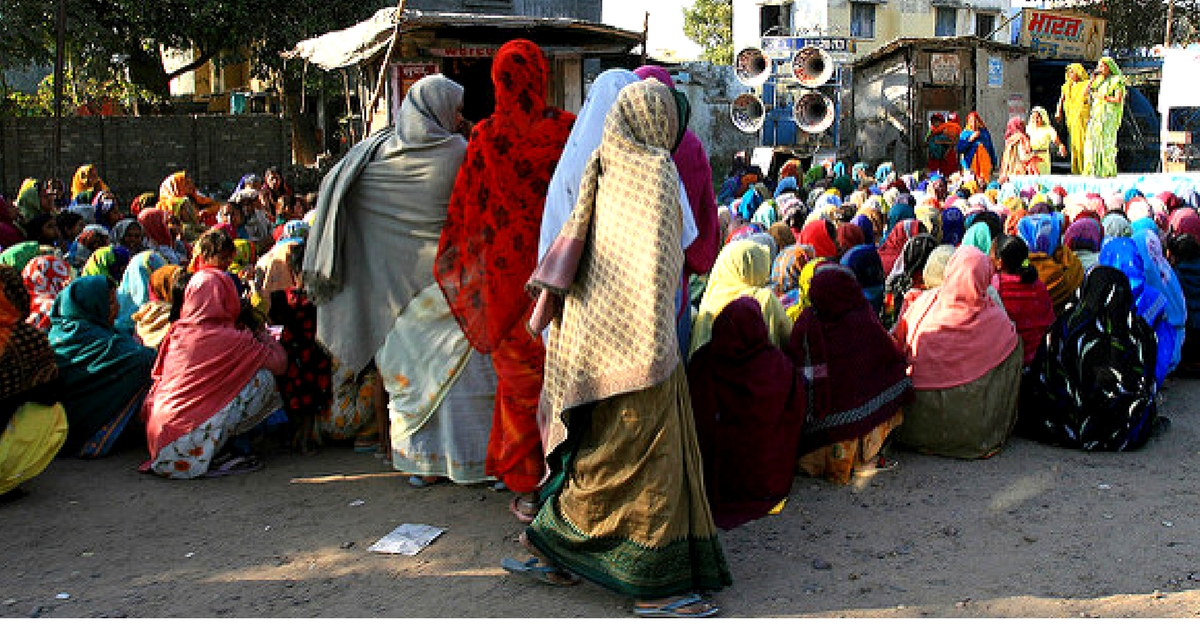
column 387, row 57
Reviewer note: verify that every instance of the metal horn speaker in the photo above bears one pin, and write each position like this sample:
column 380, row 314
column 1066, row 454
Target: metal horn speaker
column 814, row 112
column 748, row 112
column 752, row 66
column 812, row 66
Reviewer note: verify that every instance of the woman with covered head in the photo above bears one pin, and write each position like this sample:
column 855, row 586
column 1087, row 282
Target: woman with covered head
column 857, row 376
column 1019, row 157
column 1043, row 137
column 213, row 380
column 1056, row 264
column 965, row 363
column 743, row 268
column 87, row 179
column 1152, row 304
column 44, row 276
column 749, row 403
column 975, row 150
column 391, row 190
column 134, row 290
column 1092, row 387
column 152, row 320
column 1107, row 96
column 487, row 252
column 1074, row 108
column 179, row 188
column 33, row 424
column 696, row 174
column 160, row 237
column 105, row 372
column 618, row 509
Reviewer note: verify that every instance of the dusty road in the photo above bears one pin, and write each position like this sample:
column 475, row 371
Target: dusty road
column 1033, row 532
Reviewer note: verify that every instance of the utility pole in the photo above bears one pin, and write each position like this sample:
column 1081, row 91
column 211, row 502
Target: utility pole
column 59, row 57
column 1170, row 14
column 645, row 35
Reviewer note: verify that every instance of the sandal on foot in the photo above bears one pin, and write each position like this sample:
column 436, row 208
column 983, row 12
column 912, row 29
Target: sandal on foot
column 675, row 608
column 541, row 573
column 520, row 508
column 878, row 465
column 235, row 466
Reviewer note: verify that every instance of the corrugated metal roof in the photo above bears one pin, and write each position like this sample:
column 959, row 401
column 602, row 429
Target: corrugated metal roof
column 965, row 41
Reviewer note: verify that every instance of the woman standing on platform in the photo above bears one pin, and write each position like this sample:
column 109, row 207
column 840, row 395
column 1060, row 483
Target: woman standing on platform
column 1041, row 137
column 975, row 150
column 1107, row 89
column 1073, row 107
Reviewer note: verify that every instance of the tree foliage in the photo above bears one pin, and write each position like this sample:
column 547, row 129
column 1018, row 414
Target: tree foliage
column 103, row 36
column 1134, row 24
column 709, row 23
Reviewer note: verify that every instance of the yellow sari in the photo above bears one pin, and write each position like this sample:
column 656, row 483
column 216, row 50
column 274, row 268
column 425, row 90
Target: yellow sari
column 1076, row 112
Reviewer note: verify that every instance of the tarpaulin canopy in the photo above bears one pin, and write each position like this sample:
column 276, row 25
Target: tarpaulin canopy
column 349, row 46
column 365, row 40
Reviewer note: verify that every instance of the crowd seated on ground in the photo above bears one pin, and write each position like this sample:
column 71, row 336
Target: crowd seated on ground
column 824, row 321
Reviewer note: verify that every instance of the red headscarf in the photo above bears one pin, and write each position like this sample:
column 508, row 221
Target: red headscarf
column 857, row 370
column 893, row 245
column 1186, row 221
column 749, row 405
column 849, row 235
column 488, row 247
column 204, row 362
column 816, row 234
column 156, row 223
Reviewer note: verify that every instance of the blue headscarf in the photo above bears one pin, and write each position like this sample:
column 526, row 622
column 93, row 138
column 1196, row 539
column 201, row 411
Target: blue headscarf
column 786, row 184
column 1042, row 233
column 1123, row 254
column 868, row 228
column 294, row 231
column 954, row 226
column 864, row 260
column 750, row 202
column 135, row 287
column 898, row 212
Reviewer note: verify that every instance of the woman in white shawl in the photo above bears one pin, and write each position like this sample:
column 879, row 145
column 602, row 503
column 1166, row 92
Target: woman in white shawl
column 389, row 196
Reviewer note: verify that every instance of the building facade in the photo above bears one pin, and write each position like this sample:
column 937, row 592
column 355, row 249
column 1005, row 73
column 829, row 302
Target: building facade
column 872, row 24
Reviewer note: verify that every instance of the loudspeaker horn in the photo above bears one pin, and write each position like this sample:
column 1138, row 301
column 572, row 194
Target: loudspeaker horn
column 814, row 112
column 752, row 67
column 812, row 66
column 748, row 112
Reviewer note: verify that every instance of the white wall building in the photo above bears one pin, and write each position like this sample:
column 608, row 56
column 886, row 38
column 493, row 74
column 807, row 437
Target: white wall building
column 871, row 23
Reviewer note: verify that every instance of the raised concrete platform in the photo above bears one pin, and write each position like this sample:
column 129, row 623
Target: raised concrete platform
column 1147, row 183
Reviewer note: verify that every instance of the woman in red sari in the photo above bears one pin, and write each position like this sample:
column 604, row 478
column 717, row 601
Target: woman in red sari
column 488, row 250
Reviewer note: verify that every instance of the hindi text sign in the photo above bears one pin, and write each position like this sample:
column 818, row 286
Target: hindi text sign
column 1062, row 35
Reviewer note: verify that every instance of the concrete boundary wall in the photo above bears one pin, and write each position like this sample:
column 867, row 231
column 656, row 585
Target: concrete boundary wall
column 134, row 154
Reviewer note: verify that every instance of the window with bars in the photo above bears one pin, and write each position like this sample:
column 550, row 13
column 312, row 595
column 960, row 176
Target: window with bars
column 862, row 20
column 945, row 22
column 985, row 23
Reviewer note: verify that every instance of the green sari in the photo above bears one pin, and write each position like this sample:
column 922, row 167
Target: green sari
column 1100, row 147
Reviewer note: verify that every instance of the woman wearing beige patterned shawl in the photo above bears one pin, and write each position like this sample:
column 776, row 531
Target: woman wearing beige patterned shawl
column 625, row 504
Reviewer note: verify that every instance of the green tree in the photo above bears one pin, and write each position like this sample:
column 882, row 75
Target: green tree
column 1142, row 23
column 709, row 23
column 135, row 32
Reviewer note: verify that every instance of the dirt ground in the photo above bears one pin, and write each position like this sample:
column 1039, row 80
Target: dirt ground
column 1033, row 532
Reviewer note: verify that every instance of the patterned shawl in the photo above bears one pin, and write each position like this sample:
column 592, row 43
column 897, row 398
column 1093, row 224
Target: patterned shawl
column 1093, row 387
column 45, row 276
column 488, row 246
column 617, row 259
column 26, row 361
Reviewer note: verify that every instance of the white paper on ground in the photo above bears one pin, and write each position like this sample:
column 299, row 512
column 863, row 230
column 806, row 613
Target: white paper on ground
column 407, row 539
